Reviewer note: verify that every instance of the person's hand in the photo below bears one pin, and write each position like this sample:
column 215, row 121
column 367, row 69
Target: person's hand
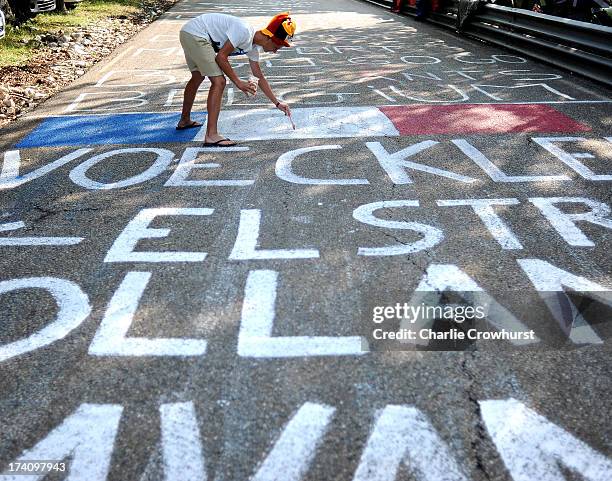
column 284, row 108
column 248, row 88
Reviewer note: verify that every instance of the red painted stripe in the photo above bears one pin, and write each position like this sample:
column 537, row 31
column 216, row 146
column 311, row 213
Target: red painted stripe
column 479, row 119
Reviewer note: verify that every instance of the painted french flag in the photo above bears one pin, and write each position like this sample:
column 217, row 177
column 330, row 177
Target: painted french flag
column 311, row 123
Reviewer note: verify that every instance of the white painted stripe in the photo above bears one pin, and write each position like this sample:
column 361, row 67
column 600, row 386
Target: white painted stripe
column 533, row 448
column 257, row 320
column 111, row 338
column 403, row 435
column 85, row 437
column 10, row 166
column 72, row 309
column 12, row 226
column 294, row 450
column 40, row 241
column 181, row 443
column 312, row 123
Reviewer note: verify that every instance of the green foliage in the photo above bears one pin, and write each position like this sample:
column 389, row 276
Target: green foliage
column 14, row 52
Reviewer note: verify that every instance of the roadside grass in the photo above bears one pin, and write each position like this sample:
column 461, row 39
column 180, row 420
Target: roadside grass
column 14, row 50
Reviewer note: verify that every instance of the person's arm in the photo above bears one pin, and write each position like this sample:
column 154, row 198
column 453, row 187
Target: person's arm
column 224, row 64
column 266, row 89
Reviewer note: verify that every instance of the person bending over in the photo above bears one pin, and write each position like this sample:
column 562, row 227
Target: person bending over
column 208, row 41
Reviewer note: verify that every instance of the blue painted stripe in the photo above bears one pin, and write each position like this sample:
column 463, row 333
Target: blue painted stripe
column 145, row 128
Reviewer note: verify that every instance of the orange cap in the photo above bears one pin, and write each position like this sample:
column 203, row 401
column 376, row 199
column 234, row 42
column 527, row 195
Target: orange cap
column 280, row 28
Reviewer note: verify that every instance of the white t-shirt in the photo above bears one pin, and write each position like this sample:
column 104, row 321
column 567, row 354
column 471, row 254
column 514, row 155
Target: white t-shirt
column 220, row 28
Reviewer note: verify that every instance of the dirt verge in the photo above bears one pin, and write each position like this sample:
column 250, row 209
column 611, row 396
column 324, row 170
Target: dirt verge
column 65, row 56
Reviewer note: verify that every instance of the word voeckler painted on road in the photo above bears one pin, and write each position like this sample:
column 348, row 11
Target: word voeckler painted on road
column 395, row 164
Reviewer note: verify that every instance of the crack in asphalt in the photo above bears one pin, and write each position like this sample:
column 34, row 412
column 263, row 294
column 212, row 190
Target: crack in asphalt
column 476, row 443
column 48, row 212
column 422, row 270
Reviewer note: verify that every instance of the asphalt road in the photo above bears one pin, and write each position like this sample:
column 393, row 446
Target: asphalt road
column 180, row 313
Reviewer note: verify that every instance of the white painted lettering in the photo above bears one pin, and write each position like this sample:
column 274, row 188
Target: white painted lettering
column 571, row 160
column 257, row 320
column 181, row 444
column 86, row 437
column 294, row 450
column 245, row 247
column 9, row 175
column 564, row 223
column 395, row 164
column 72, row 309
column 550, row 281
column 483, row 208
column 494, row 172
column 122, row 249
column 365, row 213
column 188, row 163
column 403, row 435
column 534, row 448
column 111, row 337
column 163, row 159
column 284, row 168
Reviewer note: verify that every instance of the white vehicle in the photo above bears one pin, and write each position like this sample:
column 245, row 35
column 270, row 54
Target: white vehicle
column 2, row 24
column 38, row 6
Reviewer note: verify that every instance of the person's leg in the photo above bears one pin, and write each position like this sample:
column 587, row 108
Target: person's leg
column 191, row 89
column 213, row 105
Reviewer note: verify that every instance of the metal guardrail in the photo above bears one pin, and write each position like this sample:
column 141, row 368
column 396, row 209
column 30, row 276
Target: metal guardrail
column 580, row 47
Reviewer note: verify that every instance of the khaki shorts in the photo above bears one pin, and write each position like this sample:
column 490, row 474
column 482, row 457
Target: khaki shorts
column 199, row 55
